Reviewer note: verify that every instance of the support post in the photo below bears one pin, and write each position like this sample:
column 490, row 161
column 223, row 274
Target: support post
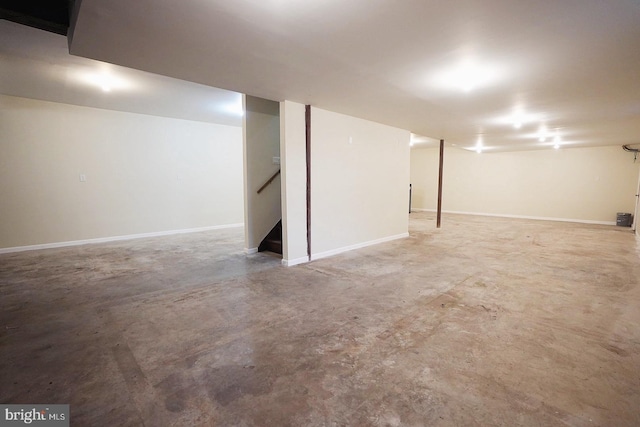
column 307, row 118
column 439, row 214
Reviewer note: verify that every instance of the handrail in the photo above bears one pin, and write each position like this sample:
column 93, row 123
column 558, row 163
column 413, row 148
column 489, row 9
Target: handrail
column 269, row 181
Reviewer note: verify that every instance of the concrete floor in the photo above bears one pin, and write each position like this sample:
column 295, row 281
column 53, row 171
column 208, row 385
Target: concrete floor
column 485, row 322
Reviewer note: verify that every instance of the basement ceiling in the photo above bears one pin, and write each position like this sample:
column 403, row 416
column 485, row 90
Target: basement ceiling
column 512, row 75
column 36, row 64
column 571, row 67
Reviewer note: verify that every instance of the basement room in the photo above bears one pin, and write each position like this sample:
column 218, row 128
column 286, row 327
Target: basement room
column 297, row 213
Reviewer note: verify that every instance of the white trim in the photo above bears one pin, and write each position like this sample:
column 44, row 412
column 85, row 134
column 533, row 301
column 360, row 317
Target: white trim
column 357, row 246
column 635, row 211
column 115, row 238
column 295, row 261
column 250, row 251
column 537, row 218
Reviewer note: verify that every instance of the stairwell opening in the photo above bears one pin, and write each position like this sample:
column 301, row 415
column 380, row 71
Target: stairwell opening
column 262, row 186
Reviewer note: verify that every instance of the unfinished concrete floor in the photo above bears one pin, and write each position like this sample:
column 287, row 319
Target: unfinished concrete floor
column 485, row 322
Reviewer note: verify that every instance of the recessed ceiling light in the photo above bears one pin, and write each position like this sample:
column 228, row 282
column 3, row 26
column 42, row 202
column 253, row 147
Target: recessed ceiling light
column 479, row 144
column 520, row 117
column 104, row 80
column 556, row 141
column 543, row 133
column 467, row 76
column 422, row 140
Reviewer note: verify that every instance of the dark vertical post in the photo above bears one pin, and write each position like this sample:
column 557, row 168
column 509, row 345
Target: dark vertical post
column 439, row 215
column 307, row 120
column 409, row 198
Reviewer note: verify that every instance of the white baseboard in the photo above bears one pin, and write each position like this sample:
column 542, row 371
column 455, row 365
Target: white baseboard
column 115, row 238
column 357, row 246
column 250, row 251
column 537, row 218
column 295, row 261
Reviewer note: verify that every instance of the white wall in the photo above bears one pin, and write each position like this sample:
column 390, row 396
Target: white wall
column 144, row 174
column 261, row 135
column 359, row 182
column 424, row 177
column 294, row 183
column 582, row 184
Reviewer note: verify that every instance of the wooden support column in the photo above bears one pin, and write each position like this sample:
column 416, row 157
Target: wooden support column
column 439, row 214
column 307, row 119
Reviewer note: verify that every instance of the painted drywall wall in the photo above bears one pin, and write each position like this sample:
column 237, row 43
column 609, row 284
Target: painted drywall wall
column 576, row 184
column 359, row 182
column 144, row 174
column 294, row 183
column 424, row 178
column 261, row 143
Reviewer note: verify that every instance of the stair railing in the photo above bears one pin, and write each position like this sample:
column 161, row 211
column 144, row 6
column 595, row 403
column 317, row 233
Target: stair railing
column 269, row 181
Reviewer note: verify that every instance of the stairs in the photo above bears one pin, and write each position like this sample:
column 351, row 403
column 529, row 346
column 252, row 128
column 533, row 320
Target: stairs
column 273, row 241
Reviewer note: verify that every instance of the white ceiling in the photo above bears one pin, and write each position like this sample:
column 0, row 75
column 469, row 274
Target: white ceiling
column 573, row 65
column 36, row 64
column 576, row 63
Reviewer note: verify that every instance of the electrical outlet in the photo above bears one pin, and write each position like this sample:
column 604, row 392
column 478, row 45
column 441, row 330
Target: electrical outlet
column 83, row 177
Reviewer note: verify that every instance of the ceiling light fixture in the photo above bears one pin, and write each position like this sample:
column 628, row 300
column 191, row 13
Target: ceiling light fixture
column 517, row 121
column 104, row 80
column 543, row 133
column 520, row 118
column 420, row 140
column 467, row 76
column 479, row 145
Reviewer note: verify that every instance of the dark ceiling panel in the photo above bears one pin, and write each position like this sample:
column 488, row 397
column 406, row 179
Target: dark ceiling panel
column 48, row 15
